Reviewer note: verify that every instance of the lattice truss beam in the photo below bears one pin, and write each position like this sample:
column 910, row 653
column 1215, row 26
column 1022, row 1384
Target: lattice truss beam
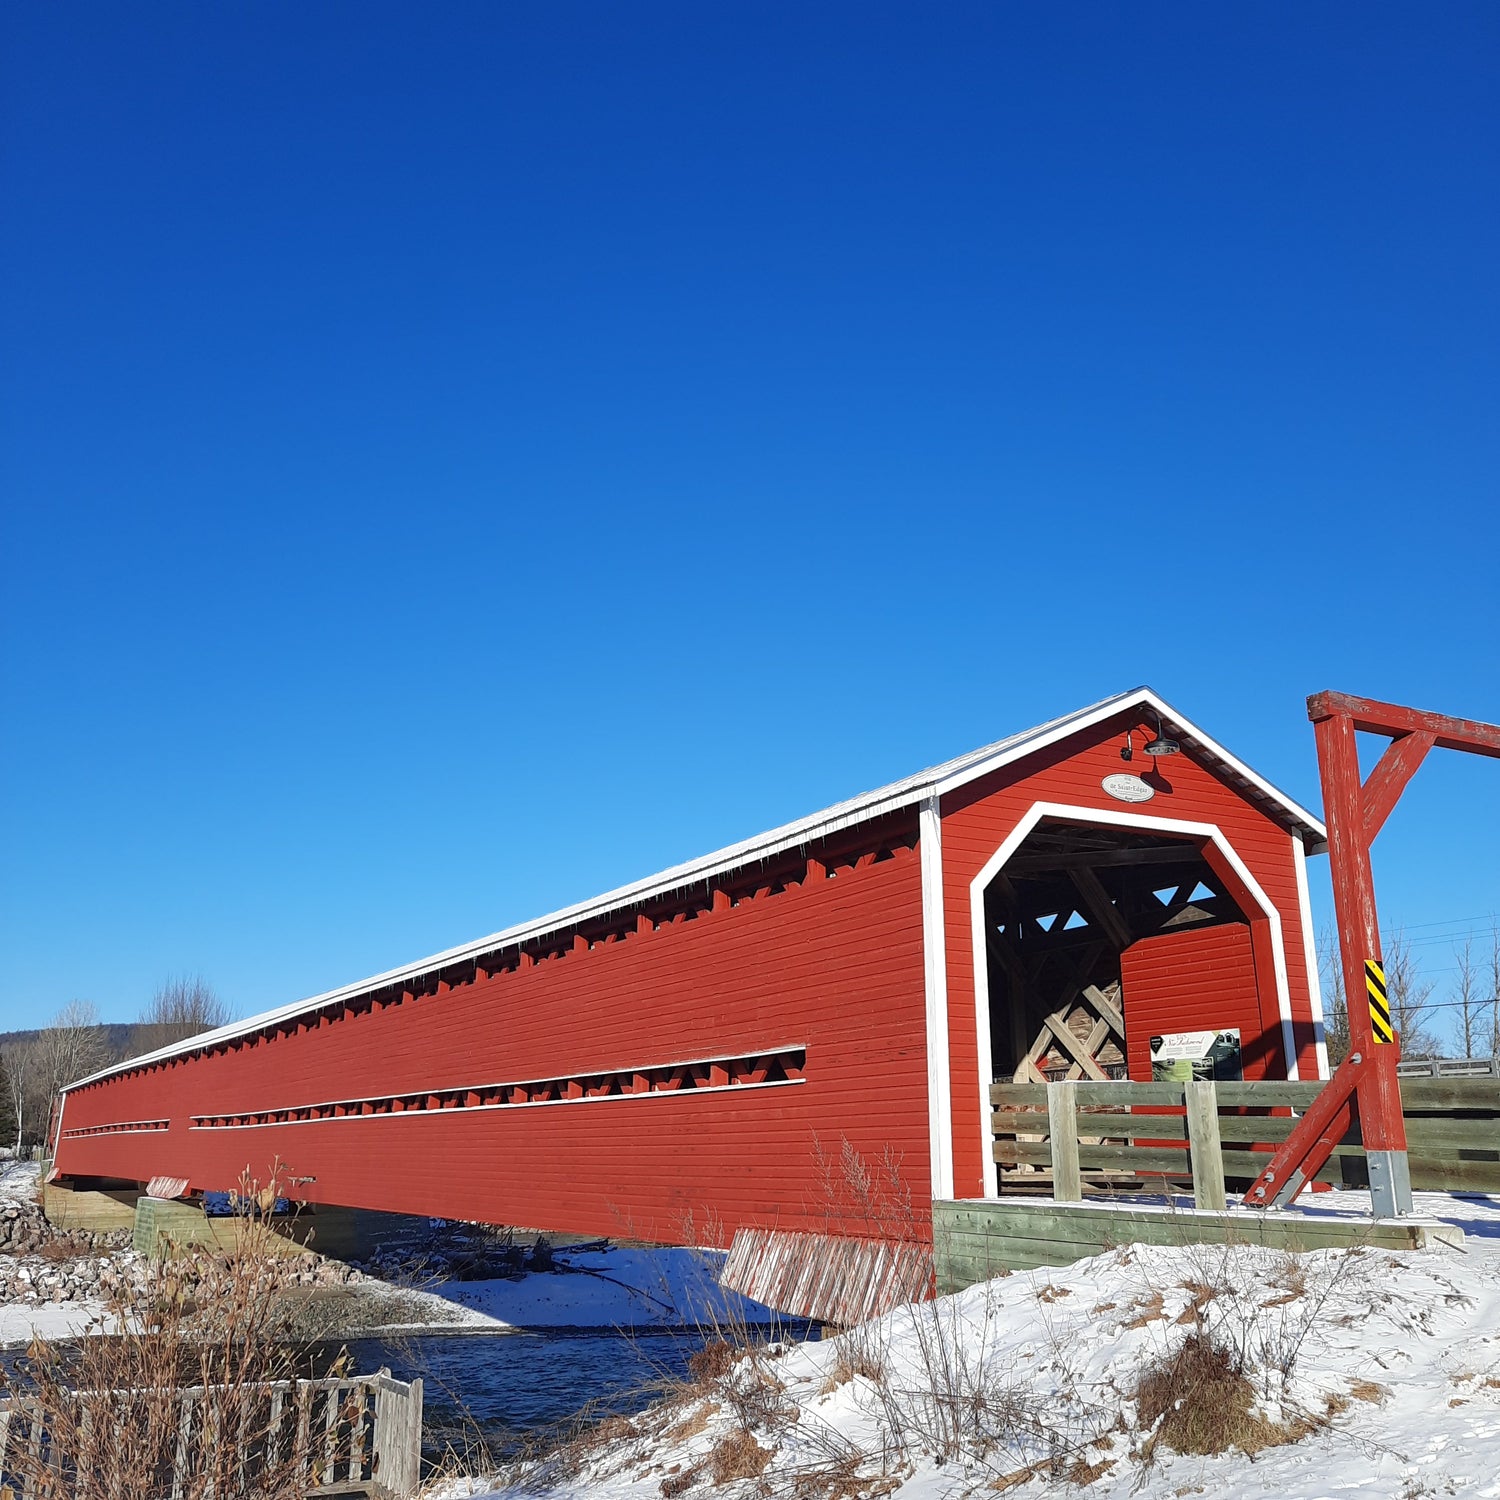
column 1059, row 915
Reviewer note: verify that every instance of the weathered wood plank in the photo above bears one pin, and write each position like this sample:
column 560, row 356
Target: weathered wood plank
column 1097, row 1227
column 1067, row 1185
column 977, row 1239
column 1203, row 1146
column 1451, row 1093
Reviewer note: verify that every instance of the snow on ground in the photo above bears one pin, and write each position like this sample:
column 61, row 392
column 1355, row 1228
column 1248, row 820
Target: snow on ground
column 612, row 1288
column 20, row 1322
column 18, row 1179
column 1025, row 1384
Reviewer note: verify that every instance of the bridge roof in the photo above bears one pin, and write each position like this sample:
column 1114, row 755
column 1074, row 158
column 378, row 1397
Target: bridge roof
column 935, row 780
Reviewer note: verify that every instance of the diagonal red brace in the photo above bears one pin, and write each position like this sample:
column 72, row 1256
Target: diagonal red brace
column 1301, row 1156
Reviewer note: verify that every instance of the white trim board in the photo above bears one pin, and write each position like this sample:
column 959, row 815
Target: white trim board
column 935, row 976
column 908, row 792
column 1069, row 814
column 1310, row 957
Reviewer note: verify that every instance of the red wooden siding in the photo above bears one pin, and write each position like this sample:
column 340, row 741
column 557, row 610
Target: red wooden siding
column 833, row 965
column 978, row 818
column 1198, row 981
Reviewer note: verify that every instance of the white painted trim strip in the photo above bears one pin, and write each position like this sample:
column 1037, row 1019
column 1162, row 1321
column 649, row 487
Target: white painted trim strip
column 1069, row 814
column 1310, row 957
column 935, row 979
column 474, row 1109
column 62, row 1109
column 114, row 1125
column 524, row 1083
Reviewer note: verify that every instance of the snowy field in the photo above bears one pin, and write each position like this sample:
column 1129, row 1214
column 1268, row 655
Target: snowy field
column 1383, row 1367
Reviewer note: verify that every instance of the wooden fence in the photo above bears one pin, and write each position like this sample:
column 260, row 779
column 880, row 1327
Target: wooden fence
column 362, row 1432
column 1058, row 1138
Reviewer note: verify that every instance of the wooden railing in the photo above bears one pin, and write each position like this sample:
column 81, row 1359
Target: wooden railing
column 1062, row 1137
column 360, row 1432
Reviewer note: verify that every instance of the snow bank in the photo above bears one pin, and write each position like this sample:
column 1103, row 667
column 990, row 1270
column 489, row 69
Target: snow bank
column 1388, row 1362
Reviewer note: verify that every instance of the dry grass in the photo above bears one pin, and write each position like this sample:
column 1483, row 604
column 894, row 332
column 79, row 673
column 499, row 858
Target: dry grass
column 713, row 1361
column 1197, row 1399
column 737, row 1455
column 693, row 1423
column 1147, row 1310
column 111, row 1405
column 853, row 1361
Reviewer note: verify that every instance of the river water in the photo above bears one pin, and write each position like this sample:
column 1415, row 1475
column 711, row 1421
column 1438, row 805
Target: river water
column 509, row 1388
column 496, row 1393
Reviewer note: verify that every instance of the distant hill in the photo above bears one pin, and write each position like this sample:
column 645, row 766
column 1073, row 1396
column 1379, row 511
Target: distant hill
column 116, row 1036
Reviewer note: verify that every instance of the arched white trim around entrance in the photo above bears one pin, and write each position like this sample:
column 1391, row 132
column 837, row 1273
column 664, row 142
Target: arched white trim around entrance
column 1064, row 813
column 1310, row 957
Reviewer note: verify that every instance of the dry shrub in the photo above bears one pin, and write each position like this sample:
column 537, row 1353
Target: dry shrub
column 112, row 1409
column 854, row 1360
column 1203, row 1401
column 64, row 1249
column 737, row 1455
column 713, row 1361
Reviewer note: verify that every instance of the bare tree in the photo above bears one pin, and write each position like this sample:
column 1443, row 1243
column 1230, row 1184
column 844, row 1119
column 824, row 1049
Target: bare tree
column 1468, row 1001
column 1335, row 1003
column 180, row 1008
column 1410, row 997
column 71, row 1046
column 1493, row 985
column 18, row 1062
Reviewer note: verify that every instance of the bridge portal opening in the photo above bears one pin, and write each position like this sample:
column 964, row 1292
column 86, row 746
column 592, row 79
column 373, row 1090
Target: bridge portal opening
column 1078, row 919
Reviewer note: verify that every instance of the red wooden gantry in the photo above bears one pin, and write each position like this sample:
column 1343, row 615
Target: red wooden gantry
column 1365, row 1087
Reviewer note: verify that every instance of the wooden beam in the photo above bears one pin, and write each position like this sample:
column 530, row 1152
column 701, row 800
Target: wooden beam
column 1100, row 907
column 1058, row 1026
column 1100, row 859
column 1106, row 1008
column 1388, row 780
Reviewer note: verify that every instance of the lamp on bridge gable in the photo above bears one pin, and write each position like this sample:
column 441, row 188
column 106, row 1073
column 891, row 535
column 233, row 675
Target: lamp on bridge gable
column 1161, row 745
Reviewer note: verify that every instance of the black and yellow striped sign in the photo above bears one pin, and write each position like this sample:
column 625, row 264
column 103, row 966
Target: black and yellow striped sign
column 1380, row 1007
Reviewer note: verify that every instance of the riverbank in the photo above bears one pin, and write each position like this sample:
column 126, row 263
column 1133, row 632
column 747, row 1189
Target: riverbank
column 1228, row 1370
column 56, row 1285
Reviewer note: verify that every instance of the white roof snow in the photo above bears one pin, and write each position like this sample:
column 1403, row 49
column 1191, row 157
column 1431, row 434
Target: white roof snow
column 936, row 780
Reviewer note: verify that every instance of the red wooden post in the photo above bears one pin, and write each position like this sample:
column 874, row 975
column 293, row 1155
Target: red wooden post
column 1355, row 812
column 1382, row 1128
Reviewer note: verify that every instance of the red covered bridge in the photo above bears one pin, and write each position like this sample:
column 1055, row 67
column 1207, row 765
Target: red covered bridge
column 673, row 1050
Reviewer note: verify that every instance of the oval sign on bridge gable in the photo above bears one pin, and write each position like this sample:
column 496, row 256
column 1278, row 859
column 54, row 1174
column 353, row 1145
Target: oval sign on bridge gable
column 1124, row 787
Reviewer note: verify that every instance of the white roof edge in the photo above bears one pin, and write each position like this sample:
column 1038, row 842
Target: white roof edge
column 862, row 809
column 1169, row 716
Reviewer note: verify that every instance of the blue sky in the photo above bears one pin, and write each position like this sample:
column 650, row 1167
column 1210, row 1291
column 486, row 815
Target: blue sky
column 457, row 459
